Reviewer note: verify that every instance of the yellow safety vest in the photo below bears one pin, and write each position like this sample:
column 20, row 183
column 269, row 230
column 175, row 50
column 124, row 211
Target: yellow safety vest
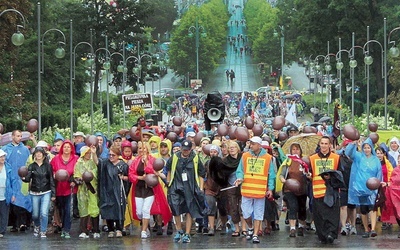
column 255, row 183
column 320, row 165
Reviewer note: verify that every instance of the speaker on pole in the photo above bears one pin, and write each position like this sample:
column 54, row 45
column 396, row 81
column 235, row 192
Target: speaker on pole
column 214, row 109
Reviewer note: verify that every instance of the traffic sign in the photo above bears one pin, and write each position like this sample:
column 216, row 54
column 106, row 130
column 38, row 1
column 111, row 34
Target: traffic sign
column 145, row 101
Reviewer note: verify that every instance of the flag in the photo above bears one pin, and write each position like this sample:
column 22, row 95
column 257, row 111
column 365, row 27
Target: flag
column 291, row 115
column 281, row 82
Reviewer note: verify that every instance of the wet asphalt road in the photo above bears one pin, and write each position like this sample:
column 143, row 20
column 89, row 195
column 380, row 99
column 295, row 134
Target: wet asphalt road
column 277, row 239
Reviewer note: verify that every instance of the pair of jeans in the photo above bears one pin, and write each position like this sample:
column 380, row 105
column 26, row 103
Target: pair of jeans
column 40, row 210
column 64, row 207
column 4, row 208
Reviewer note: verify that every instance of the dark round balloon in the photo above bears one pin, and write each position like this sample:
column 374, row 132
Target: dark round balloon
column 292, row 185
column 158, row 164
column 257, row 129
column 151, row 180
column 223, row 129
column 267, row 138
column 206, row 149
column 172, row 136
column 278, row 123
column 282, row 136
column 309, row 129
column 177, row 129
column 242, row 134
column 32, row 125
column 232, row 134
column 87, row 176
column 374, row 137
column 198, row 137
column 23, row 171
column 134, row 147
column 91, row 140
column 62, row 175
column 249, row 122
column 373, row 183
column 1, row 128
column 177, row 121
column 350, row 132
column 373, row 127
column 134, row 133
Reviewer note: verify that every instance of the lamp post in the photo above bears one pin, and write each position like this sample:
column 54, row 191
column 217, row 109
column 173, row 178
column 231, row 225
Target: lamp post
column 328, row 68
column 368, row 60
column 317, row 71
column 88, row 63
column 59, row 53
column 307, row 63
column 282, row 28
column 393, row 52
column 138, row 69
column 196, row 30
column 353, row 65
column 17, row 38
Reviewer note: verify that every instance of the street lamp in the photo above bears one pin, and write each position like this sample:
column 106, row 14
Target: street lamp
column 106, row 66
column 308, row 63
column 328, row 68
column 59, row 53
column 317, row 71
column 353, row 65
column 282, row 45
column 196, row 30
column 393, row 52
column 17, row 38
column 138, row 69
column 368, row 60
column 88, row 63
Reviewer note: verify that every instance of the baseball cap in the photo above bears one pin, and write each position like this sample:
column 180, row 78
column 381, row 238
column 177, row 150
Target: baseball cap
column 177, row 144
column 256, row 139
column 186, row 145
column 191, row 134
column 117, row 136
column 42, row 144
column 214, row 147
column 79, row 133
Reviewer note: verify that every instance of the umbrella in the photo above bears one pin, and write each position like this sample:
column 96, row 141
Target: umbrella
column 307, row 141
column 325, row 119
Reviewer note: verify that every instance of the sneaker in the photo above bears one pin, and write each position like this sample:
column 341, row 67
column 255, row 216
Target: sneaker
column 13, row 230
column 250, row 233
column 170, row 229
column 178, row 236
column 358, row 220
column 373, row 233
column 67, row 236
column 353, row 231
column 111, row 235
column 211, row 232
column 1, row 235
column 300, row 231
column 205, row 231
column 365, row 235
column 186, row 238
column 344, row 231
column 105, row 228
column 43, row 235
column 256, row 239
column 330, row 239
column 22, row 228
column 143, row 235
column 83, row 236
column 199, row 230
column 36, row 231
column 384, row 226
column 96, row 236
column 292, row 233
column 118, row 234
column 62, row 234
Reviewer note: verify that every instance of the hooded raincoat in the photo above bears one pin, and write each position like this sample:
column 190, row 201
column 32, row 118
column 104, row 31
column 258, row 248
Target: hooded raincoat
column 362, row 169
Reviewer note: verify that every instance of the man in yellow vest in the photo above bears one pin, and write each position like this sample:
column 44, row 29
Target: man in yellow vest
column 185, row 189
column 257, row 175
column 326, row 211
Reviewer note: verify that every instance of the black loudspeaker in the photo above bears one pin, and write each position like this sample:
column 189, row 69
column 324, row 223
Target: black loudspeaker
column 214, row 109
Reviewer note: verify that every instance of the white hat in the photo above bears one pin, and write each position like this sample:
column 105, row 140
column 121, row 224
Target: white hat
column 42, row 144
column 265, row 143
column 78, row 133
column 191, row 134
column 2, row 153
column 256, row 139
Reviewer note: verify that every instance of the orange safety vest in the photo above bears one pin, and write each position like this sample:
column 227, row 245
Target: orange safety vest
column 255, row 182
column 320, row 165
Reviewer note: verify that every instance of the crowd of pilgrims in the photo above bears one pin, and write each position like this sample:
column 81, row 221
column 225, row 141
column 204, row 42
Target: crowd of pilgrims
column 206, row 185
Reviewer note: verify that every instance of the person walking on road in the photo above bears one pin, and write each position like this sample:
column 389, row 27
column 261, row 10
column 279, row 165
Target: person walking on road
column 232, row 76
column 257, row 176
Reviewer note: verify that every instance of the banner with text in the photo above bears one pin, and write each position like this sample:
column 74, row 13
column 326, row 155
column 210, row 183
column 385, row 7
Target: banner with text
column 145, row 101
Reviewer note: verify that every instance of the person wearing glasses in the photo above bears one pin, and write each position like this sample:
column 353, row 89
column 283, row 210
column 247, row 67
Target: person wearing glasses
column 113, row 188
